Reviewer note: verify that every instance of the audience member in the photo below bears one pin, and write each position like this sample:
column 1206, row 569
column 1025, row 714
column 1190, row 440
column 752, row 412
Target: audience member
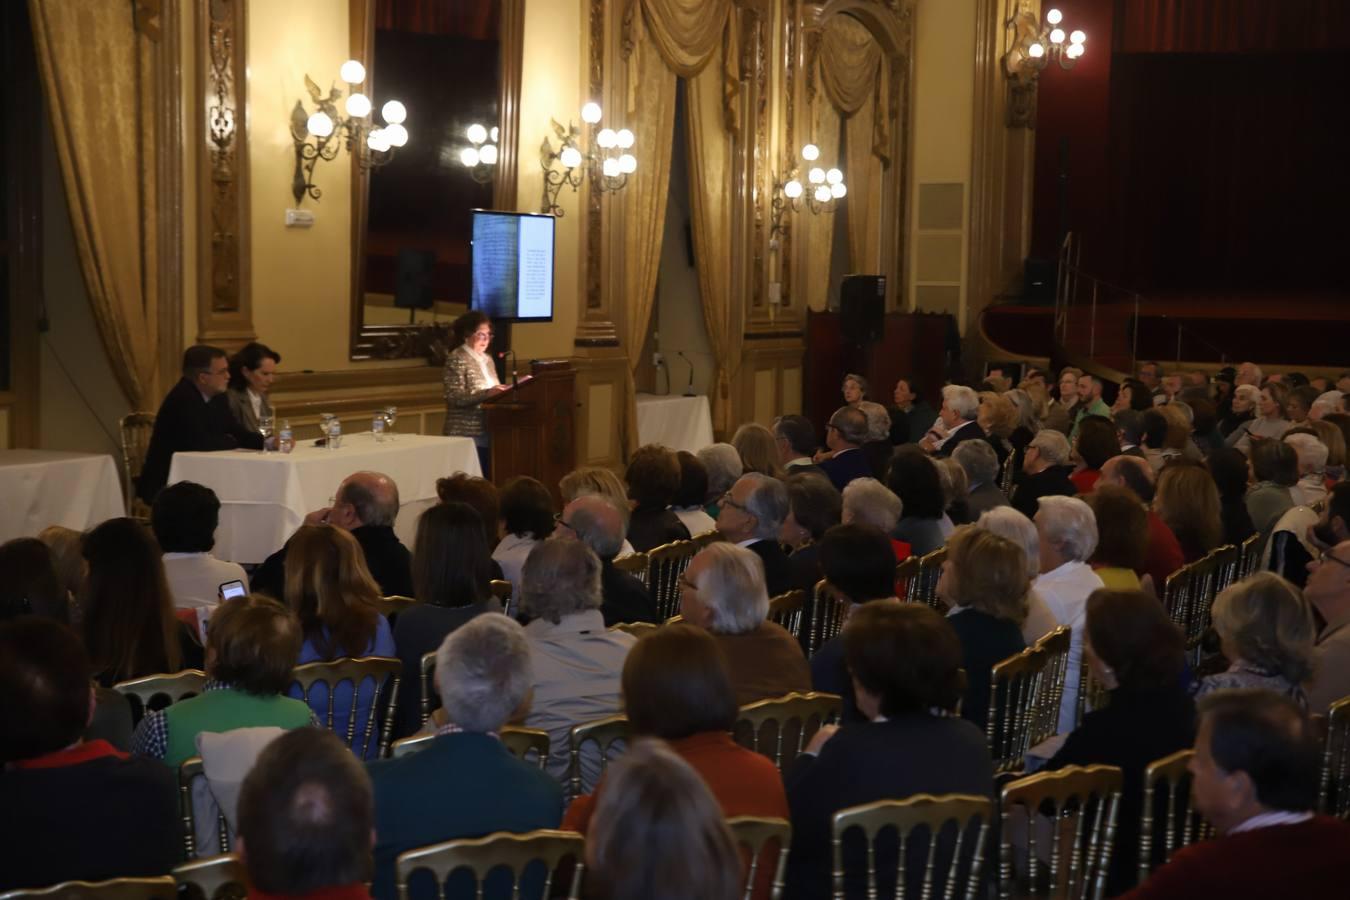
column 923, row 521
column 758, row 449
column 956, row 421
column 998, row 419
column 1007, row 522
column 1150, row 373
column 1122, row 536
column 844, row 436
column 252, row 371
column 1153, row 428
column 1068, row 538
column 129, row 627
column 955, row 490
column 1045, row 472
column 905, row 663
column 484, row 497
column 194, row 416
column 724, row 467
column 911, row 417
column 854, row 389
column 527, row 518
column 692, row 494
column 599, row 524
column 1330, row 435
column 576, row 661
column 1097, row 441
column 252, row 646
column 1255, row 779
column 1311, row 487
column 307, row 820
column 1275, row 471
column 1177, row 441
column 796, row 444
column 67, row 547
column 752, row 514
column 1328, row 592
column 451, row 571
column 589, row 480
column 464, row 783
column 1164, row 553
column 653, row 477
column 869, row 502
column 1028, row 423
column 1270, row 422
column 1299, row 403
column 1265, row 628
column 981, row 466
column 814, row 507
column 653, row 798
column 366, row 504
column 1133, row 394
column 1326, row 403
column 1090, row 402
column 984, row 582
column 877, row 448
column 1333, row 526
column 1136, row 652
column 74, row 809
column 184, row 519
column 1242, row 410
column 331, row 592
column 28, row 582
column 723, row 592
column 1228, row 468
column 1130, row 431
column 1187, row 499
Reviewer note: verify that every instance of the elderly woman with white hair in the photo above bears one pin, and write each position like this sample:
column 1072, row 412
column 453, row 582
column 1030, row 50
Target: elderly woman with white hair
column 1067, row 531
column 1241, row 410
column 869, row 502
column 723, row 592
column 464, row 783
column 577, row 663
column 1046, row 471
column 1007, row 522
column 1312, row 469
column 980, row 463
column 956, row 421
column 724, row 466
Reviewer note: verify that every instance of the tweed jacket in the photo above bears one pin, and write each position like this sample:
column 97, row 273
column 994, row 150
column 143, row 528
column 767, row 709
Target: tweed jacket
column 242, row 408
column 465, row 391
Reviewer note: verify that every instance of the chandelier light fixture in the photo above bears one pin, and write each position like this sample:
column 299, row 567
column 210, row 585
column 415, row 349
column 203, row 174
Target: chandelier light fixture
column 823, row 191
column 322, row 133
column 1033, row 43
column 480, row 157
column 605, row 156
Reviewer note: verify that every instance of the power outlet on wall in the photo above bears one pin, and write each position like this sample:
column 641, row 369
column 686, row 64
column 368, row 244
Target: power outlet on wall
column 658, row 359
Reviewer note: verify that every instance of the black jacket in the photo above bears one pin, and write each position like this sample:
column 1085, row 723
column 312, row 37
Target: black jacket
column 187, row 422
column 969, row 431
column 1053, row 482
column 805, row 566
column 846, row 466
column 777, row 569
column 1237, row 522
column 908, row 427
column 624, row 598
column 985, row 642
column 389, row 562
column 650, row 528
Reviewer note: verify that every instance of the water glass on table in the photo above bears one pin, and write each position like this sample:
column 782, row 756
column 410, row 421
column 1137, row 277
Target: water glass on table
column 265, row 426
column 390, row 417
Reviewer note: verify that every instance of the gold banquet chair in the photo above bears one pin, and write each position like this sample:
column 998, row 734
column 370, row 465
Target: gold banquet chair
column 923, row 820
column 604, row 733
column 634, row 564
column 636, row 629
column 1334, row 788
column 161, row 888
column 1014, row 686
column 707, row 538
column 393, row 605
column 1050, row 693
column 825, row 618
column 1249, row 556
column 1082, row 804
column 1167, row 787
column 502, row 590
column 155, row 692
column 383, row 671
column 664, row 567
column 188, row 773
column 906, row 574
column 923, row 588
column 807, row 711
column 503, row 850
column 757, row 836
column 426, row 675
column 217, row 878
column 788, row 610
column 134, row 430
column 521, row 742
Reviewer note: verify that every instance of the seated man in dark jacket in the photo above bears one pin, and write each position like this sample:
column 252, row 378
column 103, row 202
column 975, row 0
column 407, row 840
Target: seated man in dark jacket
column 366, row 504
column 194, row 416
column 1045, row 472
column 752, row 514
column 599, row 524
column 74, row 810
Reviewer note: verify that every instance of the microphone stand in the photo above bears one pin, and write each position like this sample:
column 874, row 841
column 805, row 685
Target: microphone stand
column 689, row 390
column 515, row 381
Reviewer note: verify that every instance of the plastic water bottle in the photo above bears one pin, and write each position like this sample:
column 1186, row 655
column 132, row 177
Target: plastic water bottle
column 335, row 435
column 286, row 439
column 377, row 427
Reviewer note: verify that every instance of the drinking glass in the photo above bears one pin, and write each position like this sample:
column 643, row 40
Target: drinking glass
column 265, row 429
column 390, row 416
column 325, row 428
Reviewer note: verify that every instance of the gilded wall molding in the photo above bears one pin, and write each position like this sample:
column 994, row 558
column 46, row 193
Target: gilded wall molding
column 169, row 190
column 595, row 325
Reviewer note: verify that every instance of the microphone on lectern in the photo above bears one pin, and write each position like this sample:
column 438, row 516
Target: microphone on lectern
column 689, row 389
column 515, row 382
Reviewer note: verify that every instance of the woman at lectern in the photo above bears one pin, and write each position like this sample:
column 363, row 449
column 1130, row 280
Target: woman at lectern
column 470, row 378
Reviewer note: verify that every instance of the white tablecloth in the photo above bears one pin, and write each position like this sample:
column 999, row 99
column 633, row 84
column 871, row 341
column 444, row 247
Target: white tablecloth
column 264, row 496
column 680, row 423
column 50, row 487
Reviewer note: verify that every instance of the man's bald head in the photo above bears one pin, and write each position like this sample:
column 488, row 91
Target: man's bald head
column 373, row 497
column 1131, row 472
column 597, row 522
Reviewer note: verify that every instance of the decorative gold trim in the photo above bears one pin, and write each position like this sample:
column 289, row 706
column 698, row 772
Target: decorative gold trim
column 169, row 193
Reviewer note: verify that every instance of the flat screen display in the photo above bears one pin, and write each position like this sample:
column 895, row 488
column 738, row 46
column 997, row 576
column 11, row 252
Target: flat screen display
column 513, row 265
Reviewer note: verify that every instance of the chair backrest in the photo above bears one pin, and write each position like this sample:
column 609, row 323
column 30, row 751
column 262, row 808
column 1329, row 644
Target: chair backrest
column 665, row 565
column 1227, row 564
column 1334, row 795
column 393, row 604
column 705, row 538
column 408, row 745
column 502, row 590
column 1092, row 694
column 427, row 674
column 520, row 741
column 636, row 629
column 1015, row 684
column 384, row 671
column 634, row 564
column 756, row 835
column 190, row 770
column 905, row 574
column 155, row 692
column 788, row 610
column 480, row 856
column 135, row 430
column 923, row 587
column 1045, row 711
column 605, row 733
column 826, row 616
column 218, row 878
column 912, row 819
column 1249, row 555
column 807, row 711
column 1005, row 475
column 1167, row 785
column 161, row 888
column 1082, row 804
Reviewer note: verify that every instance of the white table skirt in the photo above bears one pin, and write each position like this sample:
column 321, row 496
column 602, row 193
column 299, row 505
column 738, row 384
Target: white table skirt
column 680, row 423
column 51, row 487
column 264, row 497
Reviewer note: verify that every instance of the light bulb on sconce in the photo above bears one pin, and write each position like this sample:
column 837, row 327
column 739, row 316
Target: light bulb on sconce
column 571, row 157
column 476, row 133
column 610, row 167
column 816, row 175
column 1036, row 51
column 488, row 155
column 834, row 176
column 838, row 190
column 469, row 157
column 1078, row 37
column 352, row 72
column 591, row 113
column 1057, row 36
column 1054, row 17
column 484, row 155
column 607, row 139
column 810, row 152
column 358, row 106
column 1033, row 43
column 599, row 155
column 320, row 125
column 492, row 135
column 378, row 141
column 793, row 189
column 397, row 134
column 819, row 191
column 394, row 112
column 628, row 164
column 624, row 139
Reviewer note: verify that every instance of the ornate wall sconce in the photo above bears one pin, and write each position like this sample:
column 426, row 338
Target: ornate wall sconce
column 317, row 134
column 605, row 157
column 480, row 158
column 1032, row 44
column 824, row 189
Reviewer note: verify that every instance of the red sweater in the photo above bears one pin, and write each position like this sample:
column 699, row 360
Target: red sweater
column 1307, row 861
column 1164, row 554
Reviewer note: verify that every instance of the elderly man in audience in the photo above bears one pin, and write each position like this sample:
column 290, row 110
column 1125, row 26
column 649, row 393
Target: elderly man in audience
column 724, row 467
column 184, row 518
column 869, row 502
column 1007, row 522
column 1163, row 556
column 795, row 438
column 1250, row 373
column 599, row 524
column 366, row 504
column 306, row 820
column 752, row 514
column 251, row 647
column 1255, row 779
column 1311, row 488
column 464, row 783
column 878, row 447
column 956, row 421
column 1068, row 537
column 73, row 809
column 576, row 662
column 980, row 463
column 1045, row 472
column 1328, row 590
column 1327, row 402
column 1150, row 373
column 844, row 436
column 723, row 591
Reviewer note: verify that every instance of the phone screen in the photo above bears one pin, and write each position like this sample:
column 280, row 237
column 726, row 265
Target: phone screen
column 231, row 589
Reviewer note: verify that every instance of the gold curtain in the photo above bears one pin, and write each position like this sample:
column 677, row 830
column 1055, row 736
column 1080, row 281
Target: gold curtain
column 849, row 62
column 862, row 174
column 98, row 75
column 818, row 231
column 651, row 117
column 685, row 32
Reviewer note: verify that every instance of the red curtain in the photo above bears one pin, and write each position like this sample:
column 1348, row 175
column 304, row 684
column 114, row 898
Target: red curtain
column 1232, row 26
column 476, row 19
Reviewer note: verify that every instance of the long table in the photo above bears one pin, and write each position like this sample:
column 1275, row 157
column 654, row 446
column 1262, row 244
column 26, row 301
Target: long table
column 680, row 423
column 264, row 496
column 52, row 487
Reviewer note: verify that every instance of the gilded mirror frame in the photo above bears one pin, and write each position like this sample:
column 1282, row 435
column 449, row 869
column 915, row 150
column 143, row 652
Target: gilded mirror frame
column 410, row 341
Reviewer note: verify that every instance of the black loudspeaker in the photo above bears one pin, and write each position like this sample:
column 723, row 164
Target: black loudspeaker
column 862, row 308
column 412, row 280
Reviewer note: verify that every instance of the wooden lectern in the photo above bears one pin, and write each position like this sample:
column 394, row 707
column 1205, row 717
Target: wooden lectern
column 532, row 426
